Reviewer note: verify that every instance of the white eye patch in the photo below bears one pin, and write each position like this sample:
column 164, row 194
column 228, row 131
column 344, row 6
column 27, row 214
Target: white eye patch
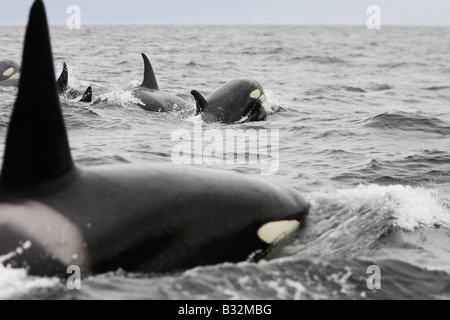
column 8, row 72
column 255, row 94
column 273, row 231
column 15, row 76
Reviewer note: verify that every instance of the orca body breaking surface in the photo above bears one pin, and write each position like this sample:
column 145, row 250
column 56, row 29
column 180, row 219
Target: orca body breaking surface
column 152, row 98
column 237, row 100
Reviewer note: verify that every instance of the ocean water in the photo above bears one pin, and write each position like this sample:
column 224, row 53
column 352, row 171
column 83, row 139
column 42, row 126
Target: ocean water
column 364, row 124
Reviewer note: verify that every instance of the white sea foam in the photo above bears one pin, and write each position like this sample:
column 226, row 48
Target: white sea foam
column 409, row 207
column 119, row 97
column 16, row 283
column 272, row 102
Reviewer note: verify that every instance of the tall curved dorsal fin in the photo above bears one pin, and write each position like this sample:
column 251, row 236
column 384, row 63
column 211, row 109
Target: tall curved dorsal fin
column 149, row 75
column 37, row 149
column 200, row 101
column 63, row 81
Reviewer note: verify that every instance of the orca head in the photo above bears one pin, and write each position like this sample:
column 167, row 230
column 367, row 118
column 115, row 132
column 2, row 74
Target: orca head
column 37, row 148
column 255, row 110
column 236, row 101
column 9, row 70
column 250, row 95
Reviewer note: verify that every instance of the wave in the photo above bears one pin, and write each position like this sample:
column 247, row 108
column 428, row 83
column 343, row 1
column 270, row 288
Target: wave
column 195, row 64
column 404, row 207
column 16, row 283
column 282, row 279
column 319, row 59
column 355, row 89
column 345, row 88
column 350, row 223
column 438, row 88
column 395, row 65
column 430, row 167
column 381, row 87
column 271, row 51
column 328, row 89
column 434, row 157
column 409, row 122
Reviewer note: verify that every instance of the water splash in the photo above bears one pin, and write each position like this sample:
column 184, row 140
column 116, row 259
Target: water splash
column 409, row 208
column 119, row 97
column 17, row 283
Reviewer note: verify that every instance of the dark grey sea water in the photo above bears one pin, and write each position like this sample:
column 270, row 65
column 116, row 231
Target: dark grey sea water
column 364, row 122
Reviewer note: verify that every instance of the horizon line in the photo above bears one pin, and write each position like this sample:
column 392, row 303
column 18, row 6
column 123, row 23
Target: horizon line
column 335, row 24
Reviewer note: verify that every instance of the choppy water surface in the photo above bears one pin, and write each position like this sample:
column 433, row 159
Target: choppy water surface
column 364, row 122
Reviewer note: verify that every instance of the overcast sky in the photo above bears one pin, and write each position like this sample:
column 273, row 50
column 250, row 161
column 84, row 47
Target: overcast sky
column 403, row 12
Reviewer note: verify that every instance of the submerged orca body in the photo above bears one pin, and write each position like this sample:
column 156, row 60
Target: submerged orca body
column 237, row 100
column 156, row 218
column 152, row 98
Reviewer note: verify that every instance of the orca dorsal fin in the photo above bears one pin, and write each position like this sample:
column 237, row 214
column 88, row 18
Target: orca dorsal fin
column 37, row 149
column 87, row 96
column 149, row 75
column 63, row 81
column 200, row 101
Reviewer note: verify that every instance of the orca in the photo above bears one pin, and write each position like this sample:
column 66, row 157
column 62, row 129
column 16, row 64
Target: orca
column 9, row 73
column 63, row 81
column 13, row 70
column 10, row 83
column 236, row 101
column 152, row 98
column 9, row 70
column 151, row 218
column 87, row 96
column 62, row 84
